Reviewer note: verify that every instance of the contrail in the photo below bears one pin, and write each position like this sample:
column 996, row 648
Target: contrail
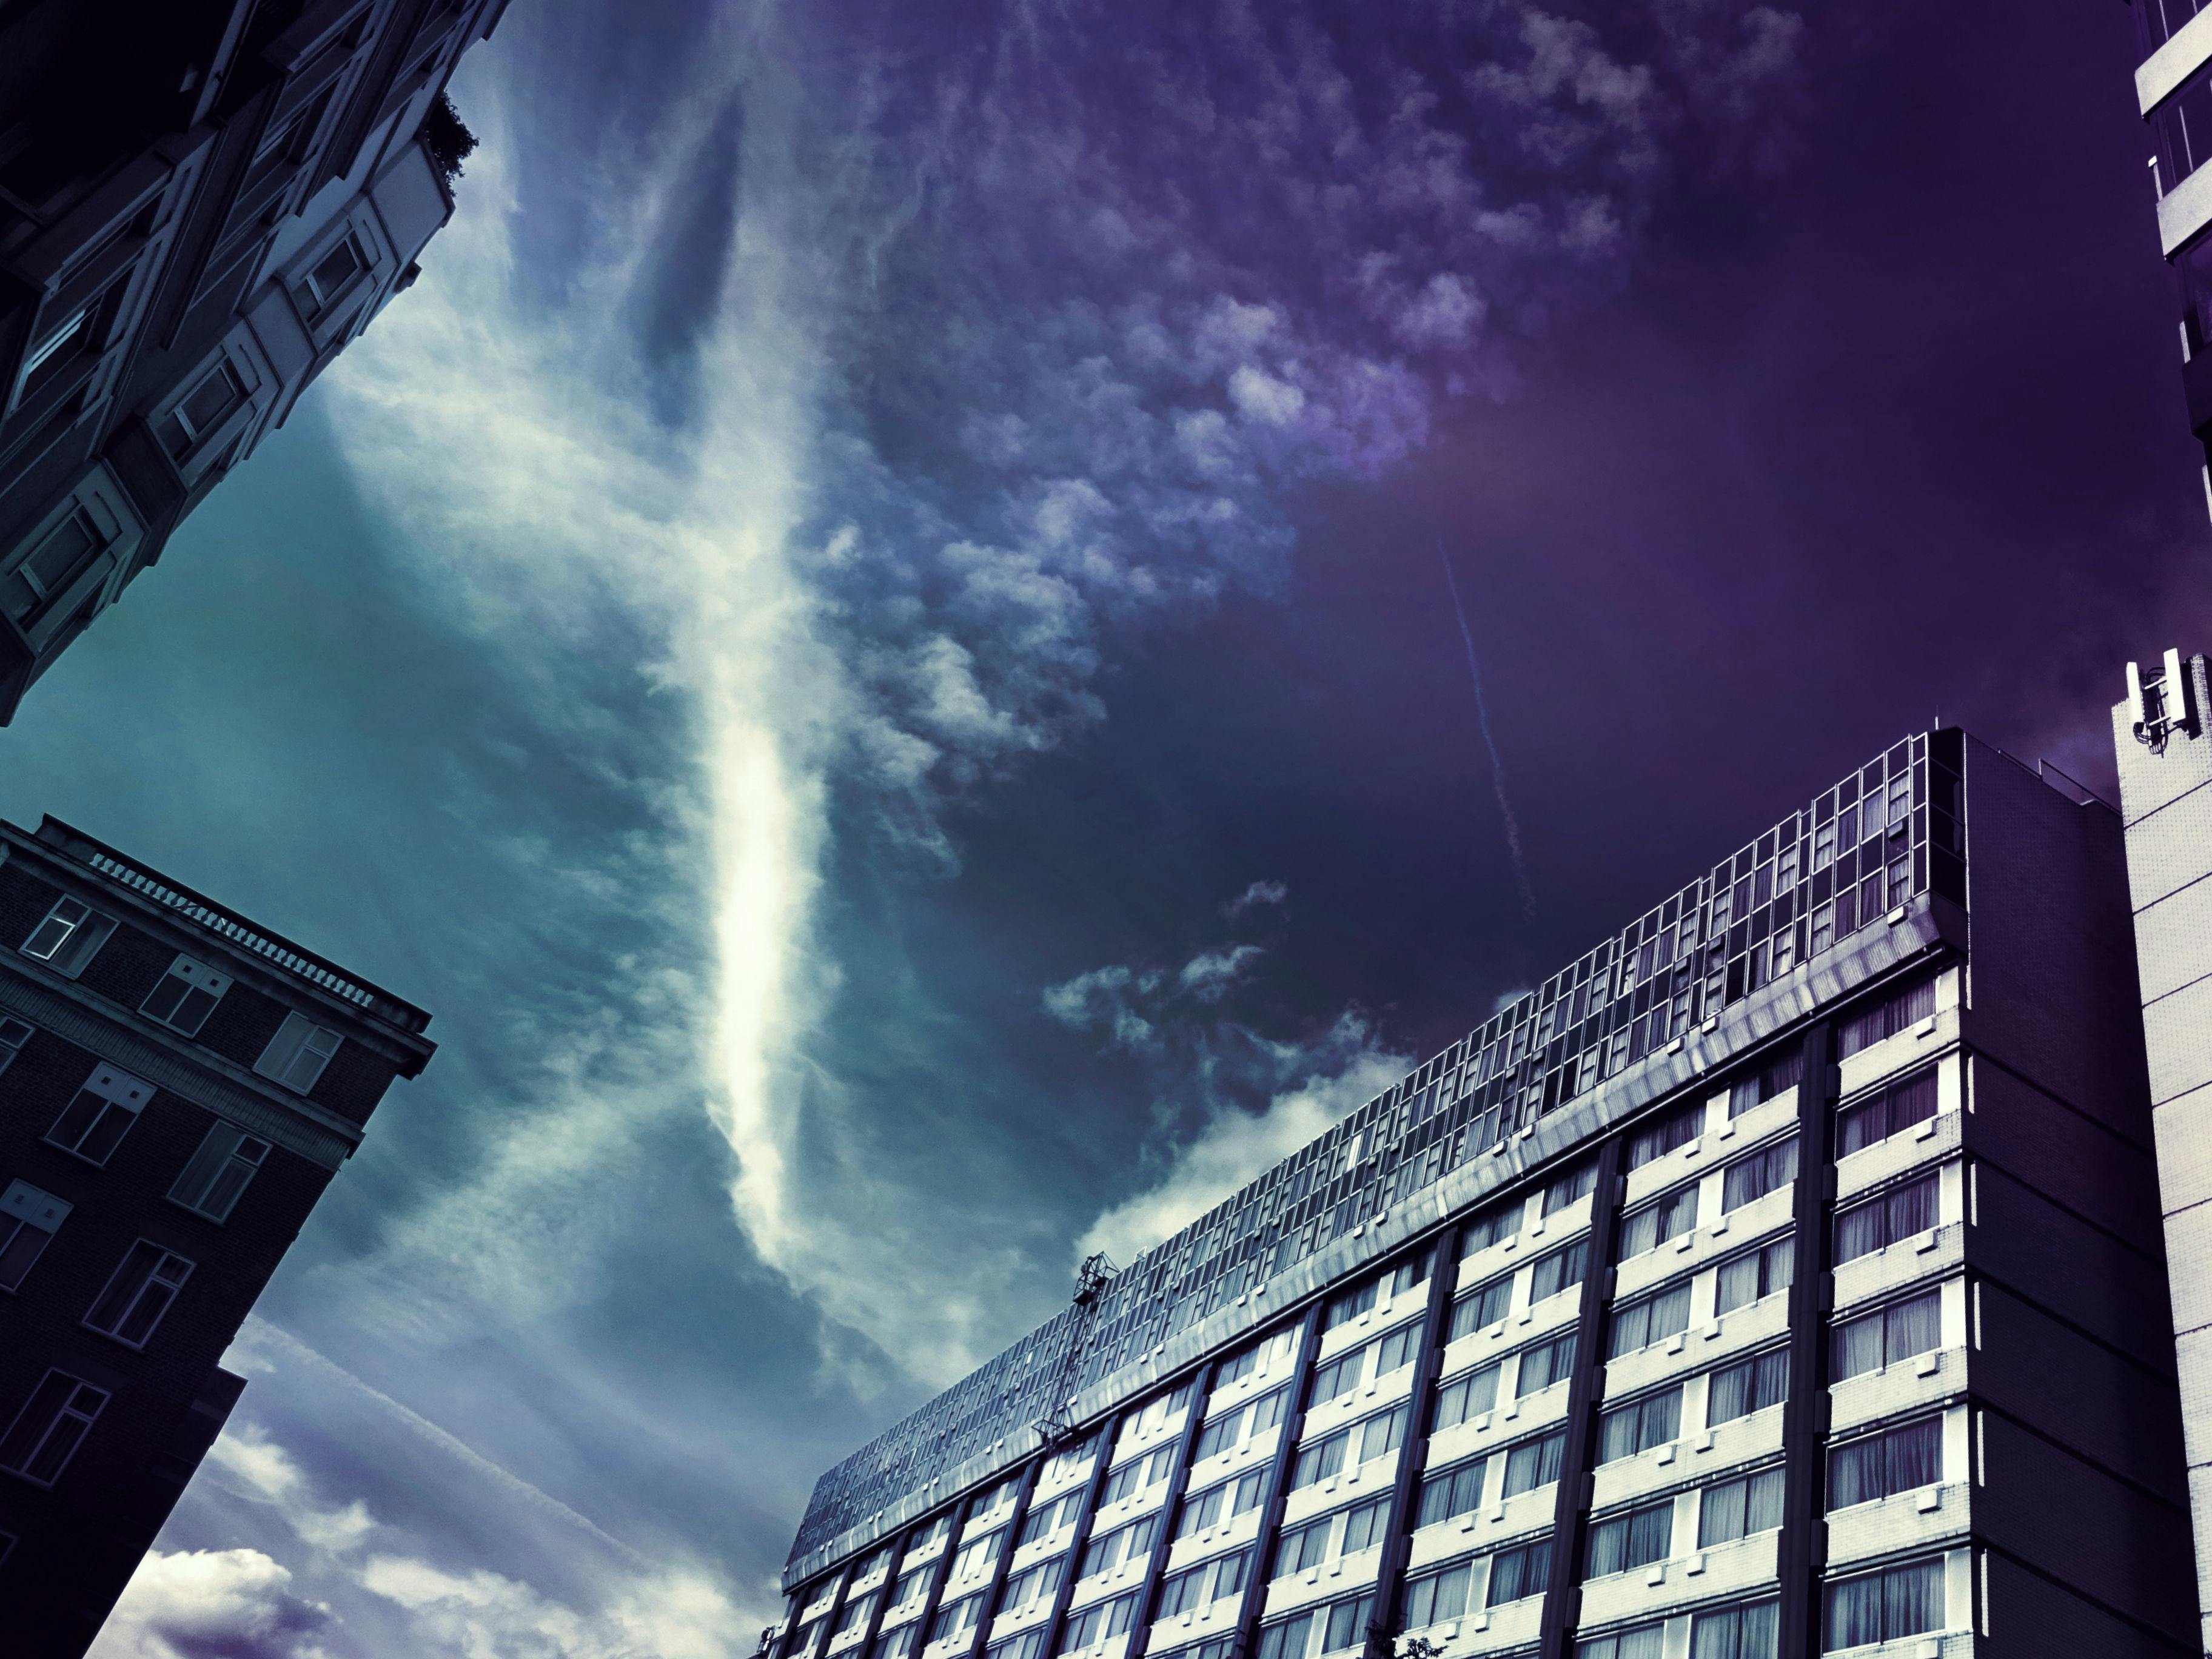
column 1497, row 767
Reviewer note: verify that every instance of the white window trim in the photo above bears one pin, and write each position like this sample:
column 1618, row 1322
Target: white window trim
column 165, row 1256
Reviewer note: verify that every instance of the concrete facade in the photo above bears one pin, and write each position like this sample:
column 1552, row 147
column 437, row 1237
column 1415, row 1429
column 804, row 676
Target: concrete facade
column 1781, row 1281
column 178, row 1086
column 189, row 233
column 2165, row 794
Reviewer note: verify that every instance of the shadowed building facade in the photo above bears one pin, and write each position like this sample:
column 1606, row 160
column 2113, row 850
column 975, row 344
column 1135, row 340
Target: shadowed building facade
column 2166, row 792
column 1781, row 1278
column 190, row 230
column 178, row 1086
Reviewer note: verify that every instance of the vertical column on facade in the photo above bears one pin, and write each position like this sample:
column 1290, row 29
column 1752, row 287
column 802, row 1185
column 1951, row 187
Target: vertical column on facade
column 876, row 1611
column 1802, row 1549
column 1585, row 1393
column 929, row 1601
column 997, row 1587
column 1279, row 1473
column 829, row 1621
column 1081, row 1537
column 1141, row 1622
column 1443, row 1284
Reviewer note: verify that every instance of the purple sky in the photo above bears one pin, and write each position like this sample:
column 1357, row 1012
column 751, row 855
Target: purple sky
column 881, row 522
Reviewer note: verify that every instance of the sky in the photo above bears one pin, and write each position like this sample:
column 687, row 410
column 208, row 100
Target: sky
column 942, row 628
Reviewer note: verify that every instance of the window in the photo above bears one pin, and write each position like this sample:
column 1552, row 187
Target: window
column 296, row 1057
column 1640, row 1424
column 802, row 1639
column 1154, row 1413
column 1049, row 1518
column 1516, row 1573
column 1636, row 1539
column 1397, row 1351
column 1286, row 1640
column 1338, row 1378
column 211, row 1183
column 28, row 1218
column 976, row 1557
column 1898, row 1012
column 1883, row 1607
column 1451, row 1493
column 14, row 1034
column 1562, row 1270
column 186, row 995
column 68, row 936
column 1347, row 1624
column 1102, row 1622
column 1755, row 1176
column 1137, row 1474
column 1645, row 1642
column 1028, row 1646
column 1762, row 1086
column 1342, row 1309
column 94, row 1124
column 1745, row 1632
column 1218, row 1503
column 1888, row 1335
column 201, row 410
column 1534, row 1463
column 855, row 1614
column 1468, row 1396
column 931, row 1535
column 1300, row 1548
column 1262, row 1356
column 1544, row 1365
column 1406, row 1274
column 1123, row 1544
column 1886, row 1112
column 1362, row 1442
column 1897, row 1215
column 1234, row 1427
column 1027, row 1585
column 49, row 1429
column 1365, row 1525
column 51, row 565
column 911, row 1588
column 958, row 1620
column 1677, row 1128
column 894, row 1644
column 1488, row 1229
column 1902, row 1460
column 1199, row 1587
column 69, row 331
column 139, row 1293
column 1573, row 1185
column 1669, row 1216
column 327, row 279
column 1754, row 1275
column 1436, row 1597
column 1737, row 1509
column 1750, row 1386
column 1653, row 1318
column 1480, row 1309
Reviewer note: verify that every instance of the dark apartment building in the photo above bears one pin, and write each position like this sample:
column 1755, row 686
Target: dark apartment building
column 202, row 203
column 178, row 1085
column 1783, row 1277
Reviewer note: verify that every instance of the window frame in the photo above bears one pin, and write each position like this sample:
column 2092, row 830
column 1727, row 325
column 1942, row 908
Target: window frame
column 27, row 1209
column 68, row 1404
column 194, row 975
column 156, row 1258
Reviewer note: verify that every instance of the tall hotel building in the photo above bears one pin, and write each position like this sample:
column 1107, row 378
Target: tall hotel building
column 178, row 1086
column 1784, row 1277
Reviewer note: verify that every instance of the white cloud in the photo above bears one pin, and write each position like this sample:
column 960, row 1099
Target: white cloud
column 1261, row 397
column 1210, row 973
column 1271, row 893
column 1235, row 1145
column 191, row 1603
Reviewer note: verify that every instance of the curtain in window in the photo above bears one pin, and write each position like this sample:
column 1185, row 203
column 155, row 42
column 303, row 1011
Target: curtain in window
column 1914, row 1326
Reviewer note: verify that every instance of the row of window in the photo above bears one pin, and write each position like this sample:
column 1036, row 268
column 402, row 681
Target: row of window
column 69, row 936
